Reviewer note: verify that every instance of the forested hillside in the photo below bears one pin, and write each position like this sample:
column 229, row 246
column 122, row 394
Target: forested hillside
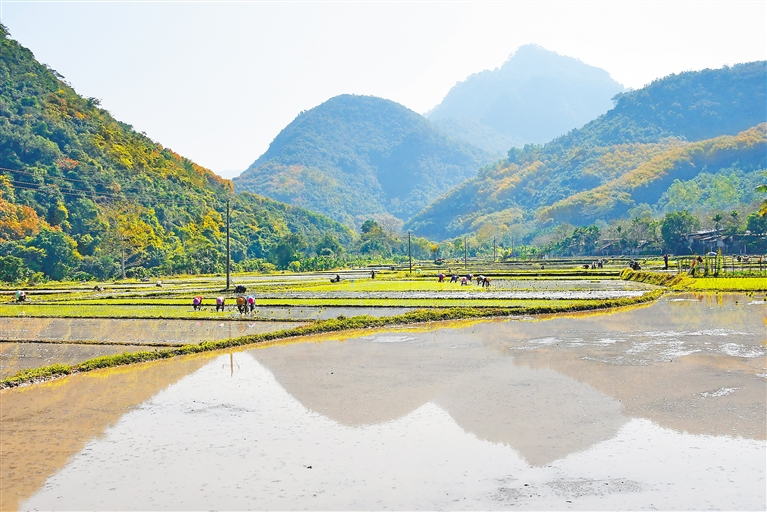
column 82, row 193
column 355, row 156
column 670, row 131
column 535, row 96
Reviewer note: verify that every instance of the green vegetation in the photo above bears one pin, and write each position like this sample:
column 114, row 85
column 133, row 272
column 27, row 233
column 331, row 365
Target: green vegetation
column 725, row 284
column 354, row 157
column 635, row 161
column 332, row 325
column 649, row 181
column 685, row 282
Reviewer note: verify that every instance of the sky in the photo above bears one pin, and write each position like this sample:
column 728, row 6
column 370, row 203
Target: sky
column 217, row 81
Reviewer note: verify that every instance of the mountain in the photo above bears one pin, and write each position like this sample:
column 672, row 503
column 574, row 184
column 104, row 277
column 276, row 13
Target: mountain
column 354, row 156
column 673, row 129
column 82, row 192
column 535, row 96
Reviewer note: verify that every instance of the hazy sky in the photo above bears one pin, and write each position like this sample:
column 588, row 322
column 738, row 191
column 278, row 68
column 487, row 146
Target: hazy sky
column 216, row 81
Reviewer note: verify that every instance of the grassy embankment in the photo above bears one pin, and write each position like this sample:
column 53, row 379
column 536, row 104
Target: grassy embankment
column 332, row 325
column 685, row 282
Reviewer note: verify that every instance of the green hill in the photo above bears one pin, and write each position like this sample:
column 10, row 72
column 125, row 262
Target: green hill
column 354, row 156
column 82, row 191
column 670, row 130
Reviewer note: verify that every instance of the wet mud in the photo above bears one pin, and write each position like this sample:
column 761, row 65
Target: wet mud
column 22, row 356
column 656, row 406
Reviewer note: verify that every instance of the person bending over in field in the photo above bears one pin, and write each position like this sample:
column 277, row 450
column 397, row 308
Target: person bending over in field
column 251, row 303
column 242, row 304
column 441, row 278
column 197, row 303
column 220, row 303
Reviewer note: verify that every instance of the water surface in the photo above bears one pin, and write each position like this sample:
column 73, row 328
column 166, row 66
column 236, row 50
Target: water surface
column 131, row 331
column 659, row 406
column 22, row 356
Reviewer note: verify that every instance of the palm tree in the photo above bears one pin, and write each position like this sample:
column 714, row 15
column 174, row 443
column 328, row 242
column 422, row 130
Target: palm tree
column 763, row 188
column 717, row 219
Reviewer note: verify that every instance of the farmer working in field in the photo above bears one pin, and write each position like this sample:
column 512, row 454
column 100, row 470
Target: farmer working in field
column 242, row 304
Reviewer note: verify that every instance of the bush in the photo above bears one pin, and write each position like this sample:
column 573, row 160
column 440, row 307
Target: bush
column 138, row 272
column 100, row 267
column 12, row 269
column 81, row 276
column 255, row 265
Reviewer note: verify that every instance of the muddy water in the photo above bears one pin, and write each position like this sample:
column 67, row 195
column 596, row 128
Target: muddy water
column 660, row 406
column 130, row 331
column 128, row 336
column 20, row 356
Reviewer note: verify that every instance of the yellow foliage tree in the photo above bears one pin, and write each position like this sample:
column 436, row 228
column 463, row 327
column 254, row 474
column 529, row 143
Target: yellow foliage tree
column 16, row 221
column 128, row 235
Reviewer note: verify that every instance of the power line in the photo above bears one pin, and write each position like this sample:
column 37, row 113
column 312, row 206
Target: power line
column 70, row 191
column 82, row 193
column 30, row 173
column 40, row 185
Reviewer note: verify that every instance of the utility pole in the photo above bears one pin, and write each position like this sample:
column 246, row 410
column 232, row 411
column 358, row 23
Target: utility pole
column 228, row 250
column 493, row 249
column 464, row 253
column 409, row 253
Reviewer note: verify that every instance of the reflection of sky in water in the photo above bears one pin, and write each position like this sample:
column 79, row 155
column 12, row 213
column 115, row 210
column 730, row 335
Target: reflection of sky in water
column 211, row 441
column 130, row 330
column 647, row 347
column 672, row 328
column 660, row 406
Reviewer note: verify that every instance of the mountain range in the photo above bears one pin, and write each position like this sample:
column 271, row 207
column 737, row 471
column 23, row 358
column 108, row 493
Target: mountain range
column 673, row 129
column 84, row 195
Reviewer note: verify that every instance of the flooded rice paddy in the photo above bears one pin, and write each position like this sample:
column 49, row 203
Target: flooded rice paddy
column 652, row 407
column 106, row 337
column 22, row 356
column 129, row 331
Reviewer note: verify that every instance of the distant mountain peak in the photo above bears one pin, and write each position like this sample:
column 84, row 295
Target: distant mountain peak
column 536, row 95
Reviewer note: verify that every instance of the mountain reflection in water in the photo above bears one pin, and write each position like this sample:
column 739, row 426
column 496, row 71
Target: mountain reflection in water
column 499, row 414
